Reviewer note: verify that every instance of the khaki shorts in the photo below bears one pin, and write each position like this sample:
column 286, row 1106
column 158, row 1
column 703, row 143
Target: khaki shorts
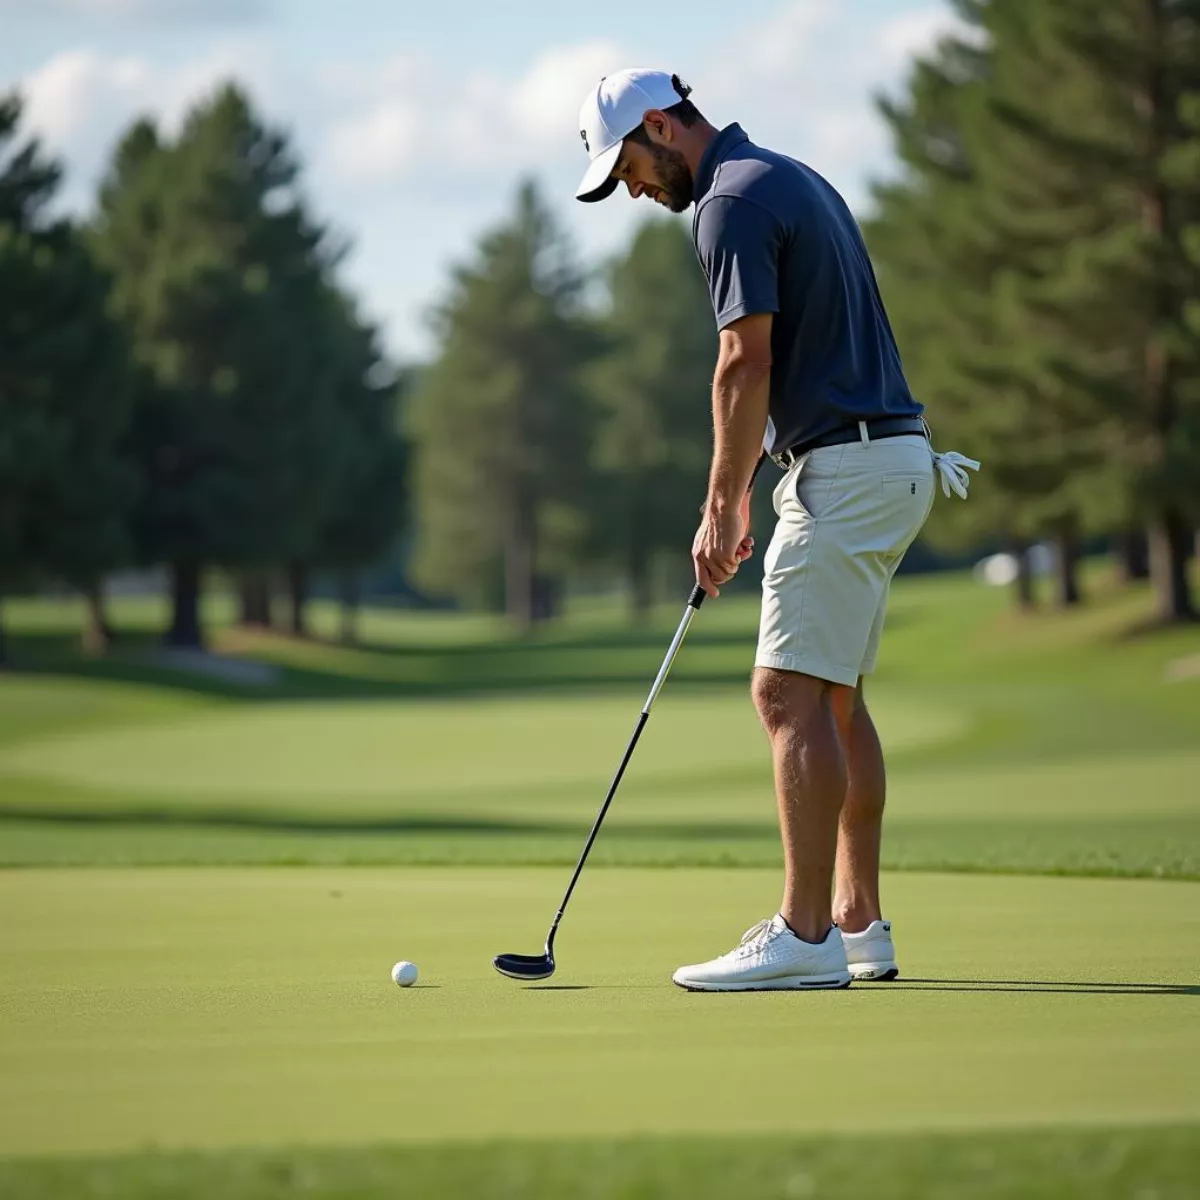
column 846, row 516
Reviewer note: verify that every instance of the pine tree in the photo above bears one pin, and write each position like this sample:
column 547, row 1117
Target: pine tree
column 364, row 460
column 216, row 263
column 500, row 419
column 1035, row 256
column 67, row 481
column 654, row 436
column 1094, row 101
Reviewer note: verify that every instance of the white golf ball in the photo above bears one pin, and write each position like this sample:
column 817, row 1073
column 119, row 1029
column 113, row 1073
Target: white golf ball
column 404, row 974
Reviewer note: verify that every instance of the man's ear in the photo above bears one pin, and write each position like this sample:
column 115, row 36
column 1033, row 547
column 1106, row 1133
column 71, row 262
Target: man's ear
column 658, row 125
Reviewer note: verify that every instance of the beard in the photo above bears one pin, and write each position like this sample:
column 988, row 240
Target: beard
column 674, row 177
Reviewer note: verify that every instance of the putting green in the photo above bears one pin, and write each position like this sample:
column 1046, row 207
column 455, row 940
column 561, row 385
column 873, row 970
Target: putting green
column 222, row 1007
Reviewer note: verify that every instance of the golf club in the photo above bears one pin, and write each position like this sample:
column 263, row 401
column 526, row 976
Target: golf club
column 533, row 967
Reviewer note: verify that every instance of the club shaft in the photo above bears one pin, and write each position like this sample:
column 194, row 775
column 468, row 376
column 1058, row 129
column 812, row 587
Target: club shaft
column 693, row 604
column 665, row 669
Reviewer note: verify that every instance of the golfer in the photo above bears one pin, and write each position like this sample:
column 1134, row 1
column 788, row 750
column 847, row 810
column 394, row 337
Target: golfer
column 809, row 375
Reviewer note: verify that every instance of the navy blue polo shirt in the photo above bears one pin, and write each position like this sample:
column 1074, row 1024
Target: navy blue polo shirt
column 774, row 237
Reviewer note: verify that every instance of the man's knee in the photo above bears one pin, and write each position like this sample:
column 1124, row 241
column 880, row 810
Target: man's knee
column 786, row 699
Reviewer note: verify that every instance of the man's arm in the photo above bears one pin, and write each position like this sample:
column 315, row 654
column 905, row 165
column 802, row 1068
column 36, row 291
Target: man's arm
column 738, row 244
column 741, row 398
column 741, row 394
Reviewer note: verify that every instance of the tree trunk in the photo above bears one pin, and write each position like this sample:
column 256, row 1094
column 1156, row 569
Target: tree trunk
column 1134, row 554
column 1023, row 585
column 641, row 593
column 1170, row 538
column 547, row 596
column 519, row 558
column 348, row 588
column 638, row 539
column 1169, row 532
column 97, row 633
column 185, row 606
column 1066, row 564
column 298, row 582
column 255, row 590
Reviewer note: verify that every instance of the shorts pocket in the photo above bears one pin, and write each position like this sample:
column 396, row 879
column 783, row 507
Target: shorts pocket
column 907, row 497
column 817, row 483
column 898, row 483
column 786, row 499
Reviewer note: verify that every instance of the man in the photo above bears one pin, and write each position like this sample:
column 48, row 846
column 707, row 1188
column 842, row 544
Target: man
column 808, row 373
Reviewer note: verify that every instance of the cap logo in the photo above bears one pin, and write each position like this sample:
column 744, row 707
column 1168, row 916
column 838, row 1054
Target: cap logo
column 583, row 134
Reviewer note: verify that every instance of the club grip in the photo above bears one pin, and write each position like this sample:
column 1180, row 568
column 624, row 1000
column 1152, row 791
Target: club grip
column 697, row 597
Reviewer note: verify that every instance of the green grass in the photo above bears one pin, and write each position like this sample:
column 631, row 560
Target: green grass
column 1109, row 1164
column 216, row 1008
column 232, row 1031
column 1053, row 744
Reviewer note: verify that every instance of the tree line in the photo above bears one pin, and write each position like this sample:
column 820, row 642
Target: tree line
column 183, row 380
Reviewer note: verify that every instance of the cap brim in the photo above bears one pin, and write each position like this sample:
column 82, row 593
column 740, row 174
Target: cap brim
column 597, row 183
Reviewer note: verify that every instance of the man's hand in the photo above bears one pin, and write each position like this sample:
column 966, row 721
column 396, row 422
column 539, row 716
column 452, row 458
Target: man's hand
column 722, row 544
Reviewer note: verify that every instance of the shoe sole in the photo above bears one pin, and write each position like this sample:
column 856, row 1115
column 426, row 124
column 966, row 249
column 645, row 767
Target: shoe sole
column 787, row 983
column 876, row 972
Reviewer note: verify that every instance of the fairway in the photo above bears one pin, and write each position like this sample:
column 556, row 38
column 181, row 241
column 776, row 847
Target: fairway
column 380, row 757
column 1044, row 746
column 213, row 1008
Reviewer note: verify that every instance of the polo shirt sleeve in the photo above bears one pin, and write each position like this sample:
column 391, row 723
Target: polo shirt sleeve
column 738, row 242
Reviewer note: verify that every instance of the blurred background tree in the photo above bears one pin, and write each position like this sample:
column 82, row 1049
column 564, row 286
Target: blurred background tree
column 653, row 437
column 67, row 479
column 1035, row 257
column 501, row 420
column 258, row 370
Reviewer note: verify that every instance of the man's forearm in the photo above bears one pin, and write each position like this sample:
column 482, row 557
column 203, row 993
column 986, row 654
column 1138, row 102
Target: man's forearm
column 741, row 400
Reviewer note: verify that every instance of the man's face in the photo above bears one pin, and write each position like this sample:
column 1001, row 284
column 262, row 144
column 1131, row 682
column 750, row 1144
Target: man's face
column 657, row 171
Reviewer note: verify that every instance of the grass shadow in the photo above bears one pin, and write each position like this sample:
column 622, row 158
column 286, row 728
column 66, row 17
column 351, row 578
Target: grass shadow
column 1045, row 986
column 484, row 668
column 282, row 822
column 428, row 823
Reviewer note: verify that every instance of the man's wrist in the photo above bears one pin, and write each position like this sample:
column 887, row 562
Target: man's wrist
column 722, row 501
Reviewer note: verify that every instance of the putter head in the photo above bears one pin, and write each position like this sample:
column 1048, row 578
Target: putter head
column 529, row 967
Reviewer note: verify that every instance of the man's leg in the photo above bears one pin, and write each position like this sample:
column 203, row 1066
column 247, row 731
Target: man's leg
column 798, row 712
column 860, row 830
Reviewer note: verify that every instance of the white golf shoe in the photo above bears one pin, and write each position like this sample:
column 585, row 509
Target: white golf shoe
column 770, row 957
column 871, row 954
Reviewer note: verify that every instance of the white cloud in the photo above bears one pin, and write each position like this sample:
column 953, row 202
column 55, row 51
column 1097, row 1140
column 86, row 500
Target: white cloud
column 784, row 43
column 544, row 104
column 80, row 101
column 378, row 145
column 914, row 33
column 67, row 96
column 403, row 114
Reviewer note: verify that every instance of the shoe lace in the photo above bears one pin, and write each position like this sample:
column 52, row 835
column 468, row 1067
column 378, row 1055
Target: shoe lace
column 754, row 938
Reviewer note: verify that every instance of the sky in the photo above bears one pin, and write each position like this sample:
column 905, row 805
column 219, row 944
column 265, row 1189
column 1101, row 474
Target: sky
column 417, row 121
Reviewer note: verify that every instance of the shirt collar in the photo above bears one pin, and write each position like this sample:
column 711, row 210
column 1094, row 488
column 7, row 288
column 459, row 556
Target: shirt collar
column 718, row 149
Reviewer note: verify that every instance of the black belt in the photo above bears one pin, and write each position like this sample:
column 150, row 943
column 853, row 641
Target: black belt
column 880, row 427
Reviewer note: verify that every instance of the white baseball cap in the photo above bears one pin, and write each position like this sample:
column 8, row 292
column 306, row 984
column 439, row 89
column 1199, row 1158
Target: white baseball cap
column 614, row 108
